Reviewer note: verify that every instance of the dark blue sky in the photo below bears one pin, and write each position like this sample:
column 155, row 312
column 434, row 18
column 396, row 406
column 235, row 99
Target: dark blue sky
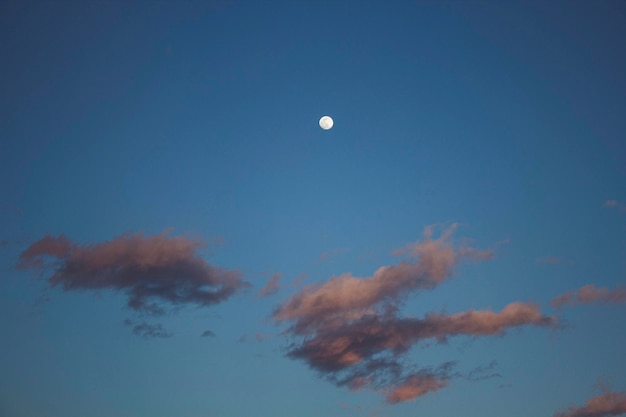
column 454, row 245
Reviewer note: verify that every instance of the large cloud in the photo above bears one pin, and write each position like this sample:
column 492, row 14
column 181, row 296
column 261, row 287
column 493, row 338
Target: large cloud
column 431, row 262
column 152, row 270
column 590, row 294
column 606, row 405
column 350, row 331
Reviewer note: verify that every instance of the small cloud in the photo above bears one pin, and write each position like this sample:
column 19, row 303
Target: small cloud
column 590, row 294
column 207, row 333
column 616, row 204
column 415, row 386
column 324, row 256
column 272, row 286
column 298, row 280
column 148, row 330
column 481, row 373
column 608, row 404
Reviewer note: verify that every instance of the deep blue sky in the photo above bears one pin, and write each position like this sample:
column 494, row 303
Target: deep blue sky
column 199, row 121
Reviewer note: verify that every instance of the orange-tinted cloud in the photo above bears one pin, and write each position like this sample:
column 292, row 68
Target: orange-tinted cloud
column 415, row 386
column 430, row 263
column 272, row 286
column 334, row 349
column 590, row 294
column 349, row 329
column 152, row 270
column 605, row 405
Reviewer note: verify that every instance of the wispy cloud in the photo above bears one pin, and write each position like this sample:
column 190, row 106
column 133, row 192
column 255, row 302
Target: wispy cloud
column 148, row 330
column 590, row 294
column 350, row 331
column 605, row 405
column 152, row 271
column 272, row 286
column 616, row 204
column 207, row 333
column 331, row 253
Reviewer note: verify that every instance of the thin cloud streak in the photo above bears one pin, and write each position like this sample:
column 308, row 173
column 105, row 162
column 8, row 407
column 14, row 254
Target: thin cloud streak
column 151, row 270
column 590, row 294
column 606, row 405
column 272, row 286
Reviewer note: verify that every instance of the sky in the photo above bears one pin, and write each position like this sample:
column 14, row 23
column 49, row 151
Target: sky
column 179, row 237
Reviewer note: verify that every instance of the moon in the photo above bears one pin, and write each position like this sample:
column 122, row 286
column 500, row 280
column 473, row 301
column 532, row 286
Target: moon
column 326, row 122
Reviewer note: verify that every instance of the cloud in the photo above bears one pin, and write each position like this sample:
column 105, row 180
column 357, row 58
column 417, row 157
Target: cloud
column 349, row 329
column 605, row 405
column 207, row 333
column 272, row 286
column 414, row 386
column 334, row 349
column 148, row 330
column 616, row 204
column 152, row 271
column 331, row 253
column 151, row 330
column 590, row 294
column 347, row 296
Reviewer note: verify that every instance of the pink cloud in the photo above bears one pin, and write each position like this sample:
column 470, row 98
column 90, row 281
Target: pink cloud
column 415, row 386
column 433, row 261
column 349, row 330
column 590, row 294
column 272, row 286
column 336, row 349
column 151, row 270
column 605, row 405
column 616, row 204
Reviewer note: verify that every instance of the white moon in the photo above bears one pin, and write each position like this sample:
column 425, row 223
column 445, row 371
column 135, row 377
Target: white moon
column 326, row 122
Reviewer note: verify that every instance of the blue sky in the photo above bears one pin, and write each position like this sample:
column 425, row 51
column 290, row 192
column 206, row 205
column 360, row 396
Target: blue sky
column 168, row 154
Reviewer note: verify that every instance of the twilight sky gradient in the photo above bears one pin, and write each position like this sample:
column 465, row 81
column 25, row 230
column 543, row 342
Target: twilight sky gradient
column 180, row 238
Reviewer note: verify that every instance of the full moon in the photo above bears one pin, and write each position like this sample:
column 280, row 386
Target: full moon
column 326, row 122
